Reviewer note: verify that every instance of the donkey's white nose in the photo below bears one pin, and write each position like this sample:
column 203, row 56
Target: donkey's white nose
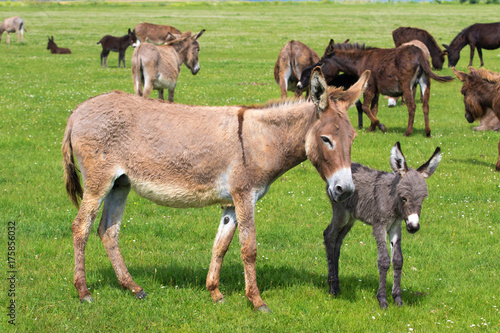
column 340, row 185
column 412, row 223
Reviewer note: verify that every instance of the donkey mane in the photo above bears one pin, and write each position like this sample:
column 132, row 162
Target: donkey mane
column 352, row 46
column 459, row 41
column 487, row 75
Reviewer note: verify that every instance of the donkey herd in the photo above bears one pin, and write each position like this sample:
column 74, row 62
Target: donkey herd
column 194, row 156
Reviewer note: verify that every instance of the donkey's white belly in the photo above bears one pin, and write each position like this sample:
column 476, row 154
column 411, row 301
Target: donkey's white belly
column 164, row 82
column 172, row 195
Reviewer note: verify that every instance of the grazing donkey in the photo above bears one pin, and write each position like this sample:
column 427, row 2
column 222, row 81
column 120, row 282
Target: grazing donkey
column 194, row 156
column 480, row 36
column 54, row 49
column 293, row 58
column 407, row 34
column 117, row 44
column 12, row 24
column 382, row 200
column 154, row 33
column 157, row 67
column 481, row 90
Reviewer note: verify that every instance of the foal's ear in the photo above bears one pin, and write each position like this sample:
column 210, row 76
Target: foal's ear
column 129, row 32
column 398, row 161
column 199, row 34
column 319, row 90
column 352, row 94
column 428, row 168
column 462, row 76
column 329, row 48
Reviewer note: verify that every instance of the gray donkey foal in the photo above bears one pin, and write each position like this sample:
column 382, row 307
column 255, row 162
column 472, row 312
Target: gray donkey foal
column 382, row 200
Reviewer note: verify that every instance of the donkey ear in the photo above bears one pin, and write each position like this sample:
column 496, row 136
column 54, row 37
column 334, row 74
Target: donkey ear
column 329, row 48
column 428, row 168
column 398, row 161
column 199, row 34
column 129, row 32
column 351, row 95
column 346, row 41
column 319, row 90
column 445, row 46
column 462, row 76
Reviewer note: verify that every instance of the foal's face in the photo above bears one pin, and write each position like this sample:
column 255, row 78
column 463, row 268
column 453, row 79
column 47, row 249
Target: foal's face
column 412, row 190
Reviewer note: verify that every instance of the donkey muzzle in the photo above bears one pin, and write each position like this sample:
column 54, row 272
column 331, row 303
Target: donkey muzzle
column 469, row 117
column 412, row 223
column 299, row 85
column 340, row 185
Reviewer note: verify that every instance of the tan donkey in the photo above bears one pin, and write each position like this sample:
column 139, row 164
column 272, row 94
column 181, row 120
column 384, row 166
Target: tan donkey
column 157, row 66
column 194, row 156
column 13, row 24
column 154, row 33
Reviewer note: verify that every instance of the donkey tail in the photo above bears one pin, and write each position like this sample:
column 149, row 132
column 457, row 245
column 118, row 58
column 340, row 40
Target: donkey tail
column 426, row 67
column 73, row 186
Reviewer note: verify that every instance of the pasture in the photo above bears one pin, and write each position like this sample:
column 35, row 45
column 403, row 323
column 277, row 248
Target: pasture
column 451, row 272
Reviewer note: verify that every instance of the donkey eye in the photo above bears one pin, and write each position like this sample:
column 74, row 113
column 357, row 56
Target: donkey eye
column 404, row 199
column 326, row 140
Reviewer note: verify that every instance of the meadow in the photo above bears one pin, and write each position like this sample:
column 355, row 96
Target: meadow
column 451, row 273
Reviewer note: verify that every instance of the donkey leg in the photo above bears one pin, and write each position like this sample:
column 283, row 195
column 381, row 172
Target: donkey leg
column 367, row 99
column 410, row 105
column 397, row 262
column 81, row 229
column 109, row 229
column 8, row 38
column 472, row 48
column 383, row 263
column 374, row 108
column 497, row 166
column 121, row 58
column 225, row 234
column 359, row 107
column 245, row 212
column 333, row 236
column 171, row 94
column 480, row 54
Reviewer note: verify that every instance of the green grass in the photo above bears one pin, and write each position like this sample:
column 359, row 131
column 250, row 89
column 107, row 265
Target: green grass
column 451, row 272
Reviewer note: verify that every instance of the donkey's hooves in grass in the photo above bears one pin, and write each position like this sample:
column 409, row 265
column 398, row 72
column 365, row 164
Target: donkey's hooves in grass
column 383, row 304
column 87, row 299
column 141, row 295
column 221, row 301
column 263, row 309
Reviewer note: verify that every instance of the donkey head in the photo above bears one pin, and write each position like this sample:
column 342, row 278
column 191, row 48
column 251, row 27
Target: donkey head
column 475, row 89
column 51, row 44
column 134, row 42
column 190, row 45
column 453, row 55
column 411, row 188
column 329, row 140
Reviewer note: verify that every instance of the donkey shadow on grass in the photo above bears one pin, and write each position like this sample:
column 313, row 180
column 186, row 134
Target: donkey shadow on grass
column 271, row 277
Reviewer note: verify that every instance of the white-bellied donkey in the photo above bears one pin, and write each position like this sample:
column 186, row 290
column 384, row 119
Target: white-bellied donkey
column 194, row 156
column 158, row 66
column 13, row 24
column 382, row 200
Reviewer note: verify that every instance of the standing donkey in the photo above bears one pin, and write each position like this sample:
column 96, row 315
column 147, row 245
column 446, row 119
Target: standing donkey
column 117, row 44
column 382, row 200
column 13, row 24
column 157, row 66
column 194, row 156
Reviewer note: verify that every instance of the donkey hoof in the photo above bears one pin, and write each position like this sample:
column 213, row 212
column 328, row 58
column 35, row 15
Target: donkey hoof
column 88, row 299
column 383, row 304
column 221, row 301
column 263, row 308
column 428, row 134
column 141, row 295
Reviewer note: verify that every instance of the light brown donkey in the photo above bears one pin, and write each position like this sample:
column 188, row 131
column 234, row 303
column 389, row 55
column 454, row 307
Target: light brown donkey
column 13, row 24
column 154, row 33
column 194, row 156
column 157, row 66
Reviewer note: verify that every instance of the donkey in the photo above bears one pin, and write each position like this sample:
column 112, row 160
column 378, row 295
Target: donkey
column 154, row 33
column 117, row 44
column 13, row 24
column 480, row 35
column 481, row 90
column 382, row 200
column 407, row 34
column 489, row 122
column 395, row 72
column 194, row 156
column 157, row 67
column 54, row 49
column 293, row 58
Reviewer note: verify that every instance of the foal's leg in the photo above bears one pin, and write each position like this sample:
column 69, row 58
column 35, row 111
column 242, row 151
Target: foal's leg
column 383, row 262
column 425, row 86
column 109, row 229
column 367, row 99
column 81, row 228
column 397, row 262
column 121, row 58
column 245, row 212
column 359, row 107
column 333, row 236
column 225, row 234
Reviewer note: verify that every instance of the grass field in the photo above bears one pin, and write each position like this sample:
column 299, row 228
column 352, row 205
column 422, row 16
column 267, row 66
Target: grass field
column 451, row 273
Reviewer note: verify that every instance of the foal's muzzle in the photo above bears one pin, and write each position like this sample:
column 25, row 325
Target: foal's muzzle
column 469, row 117
column 412, row 223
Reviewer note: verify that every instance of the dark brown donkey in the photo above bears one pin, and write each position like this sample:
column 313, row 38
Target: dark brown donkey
column 293, row 58
column 407, row 34
column 117, row 44
column 481, row 90
column 395, row 72
column 54, row 49
column 480, row 36
column 194, row 156
column 382, row 200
